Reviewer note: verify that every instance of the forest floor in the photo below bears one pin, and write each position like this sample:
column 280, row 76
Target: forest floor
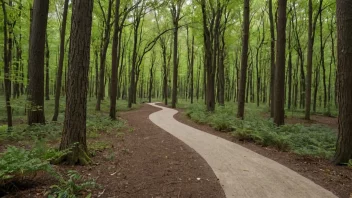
column 140, row 160
column 331, row 122
column 337, row 179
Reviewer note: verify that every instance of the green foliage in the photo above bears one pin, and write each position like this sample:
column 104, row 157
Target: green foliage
column 99, row 123
column 312, row 140
column 197, row 113
column 50, row 131
column 17, row 162
column 71, row 187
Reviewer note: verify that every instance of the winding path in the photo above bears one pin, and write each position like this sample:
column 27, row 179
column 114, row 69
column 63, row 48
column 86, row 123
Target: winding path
column 242, row 172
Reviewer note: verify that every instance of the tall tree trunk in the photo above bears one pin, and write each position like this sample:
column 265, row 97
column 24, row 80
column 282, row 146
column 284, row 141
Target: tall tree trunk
column 316, row 88
column 115, row 61
column 192, row 72
column 74, row 131
column 61, row 62
column 96, row 55
column 36, row 62
column 151, row 77
column 272, row 58
column 344, row 42
column 175, row 12
column 47, row 70
column 279, row 96
column 244, row 61
column 289, row 97
column 322, row 58
column 309, row 61
column 106, row 41
column 7, row 56
column 311, row 35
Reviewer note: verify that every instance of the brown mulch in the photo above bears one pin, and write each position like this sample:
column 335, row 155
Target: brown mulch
column 336, row 179
column 145, row 162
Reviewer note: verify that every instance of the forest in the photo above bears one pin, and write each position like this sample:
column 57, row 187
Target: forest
column 77, row 78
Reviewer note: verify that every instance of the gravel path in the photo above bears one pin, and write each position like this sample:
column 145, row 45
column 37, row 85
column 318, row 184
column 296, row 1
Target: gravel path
column 242, row 172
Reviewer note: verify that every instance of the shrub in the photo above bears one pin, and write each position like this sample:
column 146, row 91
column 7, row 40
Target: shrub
column 312, row 140
column 16, row 163
column 71, row 187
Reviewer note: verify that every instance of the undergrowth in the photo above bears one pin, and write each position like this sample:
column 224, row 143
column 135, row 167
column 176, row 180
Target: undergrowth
column 311, row 140
column 72, row 187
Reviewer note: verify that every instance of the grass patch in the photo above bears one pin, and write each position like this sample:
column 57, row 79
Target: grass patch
column 315, row 140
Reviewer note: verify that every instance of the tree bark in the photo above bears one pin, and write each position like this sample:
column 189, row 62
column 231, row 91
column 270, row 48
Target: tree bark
column 47, row 70
column 7, row 70
column 74, row 132
column 175, row 12
column 36, row 62
column 61, row 62
column 106, row 41
column 115, row 61
column 272, row 58
column 311, row 35
column 344, row 76
column 244, row 61
column 279, row 96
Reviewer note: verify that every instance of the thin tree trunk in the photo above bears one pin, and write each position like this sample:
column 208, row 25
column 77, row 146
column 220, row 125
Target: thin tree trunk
column 272, row 58
column 61, row 62
column 244, row 62
column 47, row 70
column 106, row 41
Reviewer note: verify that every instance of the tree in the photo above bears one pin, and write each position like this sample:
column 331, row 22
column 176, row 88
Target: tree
column 61, row 61
column 244, row 62
column 272, row 58
column 74, row 131
column 175, row 9
column 279, row 95
column 344, row 76
column 105, row 45
column 311, row 35
column 7, row 69
column 36, row 62
column 47, row 69
column 115, row 61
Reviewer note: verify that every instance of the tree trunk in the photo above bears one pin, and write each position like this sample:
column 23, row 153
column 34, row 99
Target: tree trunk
column 61, row 62
column 322, row 58
column 344, row 43
column 7, row 56
column 289, row 97
column 74, row 131
column 175, row 12
column 151, row 77
column 36, row 62
column 311, row 35
column 106, row 41
column 272, row 58
column 279, row 96
column 115, row 61
column 47, row 70
column 244, row 62
column 309, row 61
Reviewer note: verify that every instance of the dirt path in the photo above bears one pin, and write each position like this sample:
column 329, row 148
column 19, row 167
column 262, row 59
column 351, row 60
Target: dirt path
column 156, row 164
column 242, row 172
